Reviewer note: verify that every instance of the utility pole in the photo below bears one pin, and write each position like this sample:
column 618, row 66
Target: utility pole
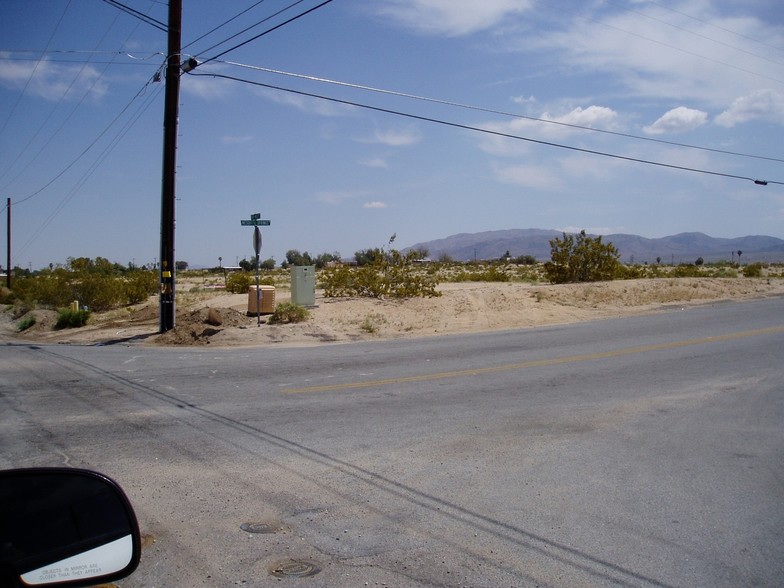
column 8, row 262
column 170, row 114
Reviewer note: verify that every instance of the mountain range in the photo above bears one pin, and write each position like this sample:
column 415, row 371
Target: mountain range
column 680, row 248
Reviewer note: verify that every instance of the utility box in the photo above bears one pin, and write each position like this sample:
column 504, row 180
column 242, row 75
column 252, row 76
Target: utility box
column 266, row 297
column 303, row 285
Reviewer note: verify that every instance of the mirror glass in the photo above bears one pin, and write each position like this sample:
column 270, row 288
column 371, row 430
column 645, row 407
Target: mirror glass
column 64, row 525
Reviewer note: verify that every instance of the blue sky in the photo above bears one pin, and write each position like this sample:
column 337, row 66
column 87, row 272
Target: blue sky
column 81, row 123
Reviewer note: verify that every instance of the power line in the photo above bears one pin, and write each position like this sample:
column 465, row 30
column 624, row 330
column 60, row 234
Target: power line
column 491, row 132
column 54, row 109
column 253, row 26
column 161, row 26
column 32, row 73
column 276, row 27
column 86, row 149
column 224, row 23
column 38, row 55
column 715, row 26
column 696, row 34
column 499, row 112
column 92, row 169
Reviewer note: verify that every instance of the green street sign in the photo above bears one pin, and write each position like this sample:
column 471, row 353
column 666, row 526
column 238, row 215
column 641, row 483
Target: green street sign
column 255, row 222
column 256, row 216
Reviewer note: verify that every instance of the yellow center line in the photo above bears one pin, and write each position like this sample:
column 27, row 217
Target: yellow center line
column 535, row 363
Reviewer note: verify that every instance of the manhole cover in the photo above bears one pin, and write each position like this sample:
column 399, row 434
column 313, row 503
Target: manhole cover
column 267, row 528
column 294, row 568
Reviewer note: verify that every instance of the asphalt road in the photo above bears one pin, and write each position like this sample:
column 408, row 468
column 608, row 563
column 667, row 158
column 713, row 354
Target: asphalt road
column 643, row 451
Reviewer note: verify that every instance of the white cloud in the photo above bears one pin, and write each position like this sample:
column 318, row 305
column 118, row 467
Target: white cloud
column 589, row 230
column 529, row 176
column 678, row 120
column 339, row 196
column 306, row 103
column 374, row 204
column 395, row 137
column 660, row 52
column 598, row 117
column 595, row 117
column 233, row 139
column 451, row 17
column 523, row 100
column 375, row 162
column 765, row 105
column 51, row 80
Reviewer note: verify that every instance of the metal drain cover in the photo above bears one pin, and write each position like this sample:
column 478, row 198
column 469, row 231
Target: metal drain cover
column 294, row 568
column 261, row 527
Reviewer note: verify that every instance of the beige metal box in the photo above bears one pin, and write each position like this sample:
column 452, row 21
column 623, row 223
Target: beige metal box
column 267, row 296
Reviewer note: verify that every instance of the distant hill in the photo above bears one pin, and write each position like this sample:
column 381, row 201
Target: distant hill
column 680, row 248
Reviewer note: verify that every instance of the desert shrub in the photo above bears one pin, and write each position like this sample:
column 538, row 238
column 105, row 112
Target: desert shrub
column 372, row 322
column 753, row 270
column 139, row 286
column 69, row 319
column 724, row 272
column 238, row 282
column 580, row 258
column 492, row 273
column 394, row 275
column 98, row 291
column 289, row 312
column 686, row 270
column 6, row 296
column 97, row 286
column 25, row 323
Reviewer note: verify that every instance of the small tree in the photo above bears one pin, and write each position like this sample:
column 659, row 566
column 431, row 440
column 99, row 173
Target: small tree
column 581, row 258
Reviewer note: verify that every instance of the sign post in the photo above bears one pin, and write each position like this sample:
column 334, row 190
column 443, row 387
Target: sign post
column 256, row 221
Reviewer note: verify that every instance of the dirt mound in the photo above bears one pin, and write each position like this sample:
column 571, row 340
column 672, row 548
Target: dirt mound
column 197, row 326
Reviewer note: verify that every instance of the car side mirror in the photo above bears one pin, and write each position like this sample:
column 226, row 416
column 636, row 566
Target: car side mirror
column 65, row 527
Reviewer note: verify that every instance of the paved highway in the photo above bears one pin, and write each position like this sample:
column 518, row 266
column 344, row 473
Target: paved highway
column 642, row 451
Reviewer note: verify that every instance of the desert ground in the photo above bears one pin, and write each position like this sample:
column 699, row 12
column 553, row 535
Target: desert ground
column 221, row 319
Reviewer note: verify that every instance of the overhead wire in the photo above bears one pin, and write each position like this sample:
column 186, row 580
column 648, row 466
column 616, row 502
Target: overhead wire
column 498, row 112
column 490, row 131
column 223, row 24
column 51, row 52
column 92, row 168
column 65, row 93
column 717, row 27
column 266, row 32
column 86, row 149
column 32, row 73
column 696, row 34
column 161, row 26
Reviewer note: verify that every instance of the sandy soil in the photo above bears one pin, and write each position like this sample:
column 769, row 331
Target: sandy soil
column 221, row 319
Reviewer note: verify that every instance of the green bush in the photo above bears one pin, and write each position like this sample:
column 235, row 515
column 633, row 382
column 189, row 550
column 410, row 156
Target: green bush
column 95, row 285
column 753, row 270
column 70, row 319
column 686, row 270
column 394, row 276
column 25, row 323
column 490, row 274
column 139, row 286
column 238, row 282
column 581, row 258
column 289, row 312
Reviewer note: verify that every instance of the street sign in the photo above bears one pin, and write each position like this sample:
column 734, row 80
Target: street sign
column 256, row 240
column 256, row 216
column 255, row 222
